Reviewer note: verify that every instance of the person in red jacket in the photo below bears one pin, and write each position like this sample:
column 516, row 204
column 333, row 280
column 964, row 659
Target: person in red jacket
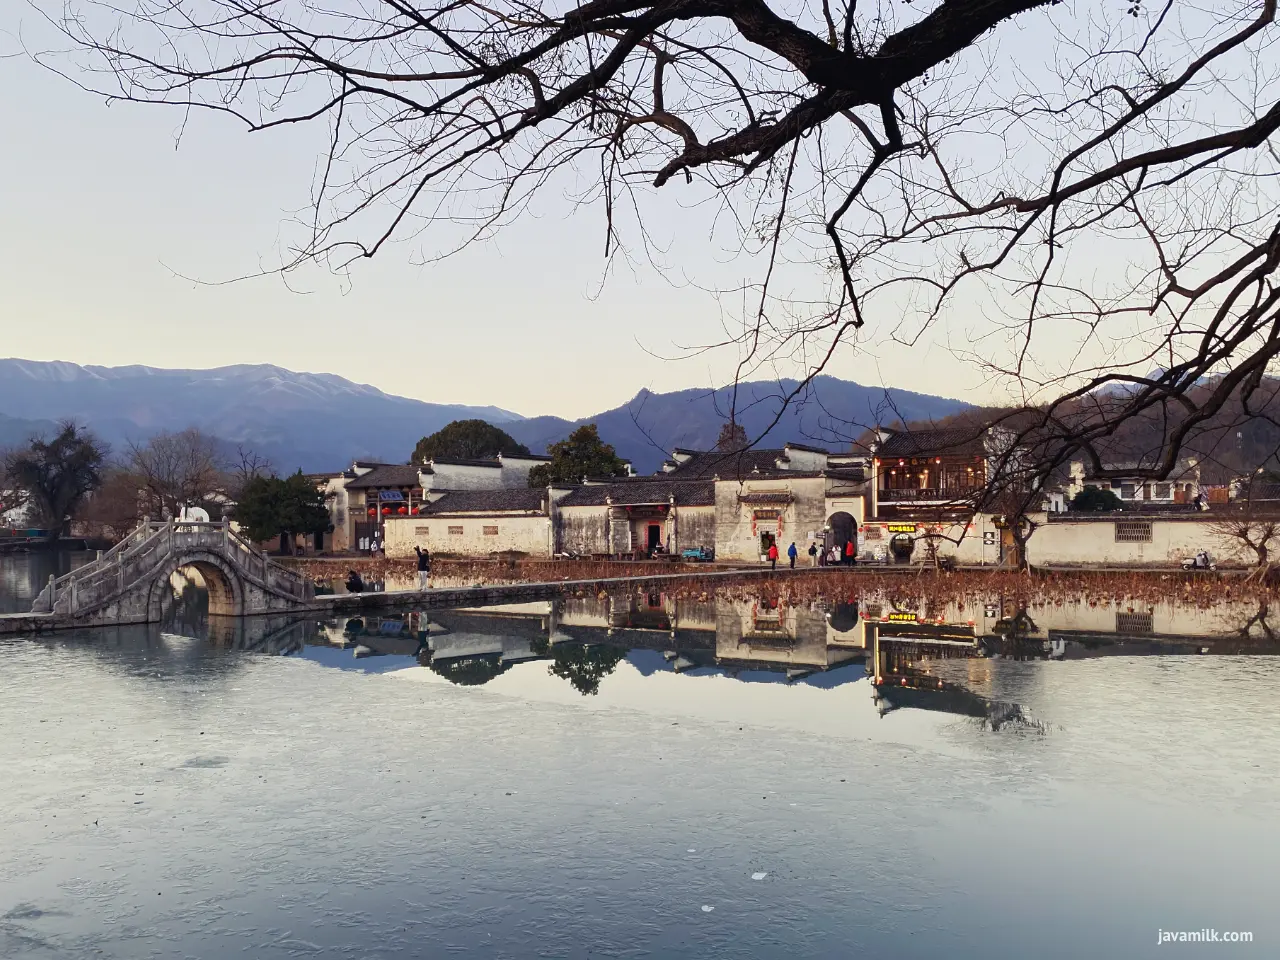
column 848, row 552
column 773, row 556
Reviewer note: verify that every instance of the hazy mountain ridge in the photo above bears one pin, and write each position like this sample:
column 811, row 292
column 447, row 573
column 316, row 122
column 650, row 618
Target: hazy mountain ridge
column 320, row 421
column 831, row 414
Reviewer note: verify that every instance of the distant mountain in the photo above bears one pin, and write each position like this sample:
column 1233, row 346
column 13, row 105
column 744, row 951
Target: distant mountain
column 15, row 431
column 316, row 421
column 830, row 413
column 323, row 422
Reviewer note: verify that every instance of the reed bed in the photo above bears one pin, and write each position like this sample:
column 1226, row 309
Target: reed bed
column 926, row 587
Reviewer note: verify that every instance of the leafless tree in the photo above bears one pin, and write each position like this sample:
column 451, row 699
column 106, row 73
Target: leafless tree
column 1253, row 527
column 246, row 465
column 177, row 469
column 116, row 507
column 1077, row 196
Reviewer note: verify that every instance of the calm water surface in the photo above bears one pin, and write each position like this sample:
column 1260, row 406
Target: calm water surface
column 616, row 777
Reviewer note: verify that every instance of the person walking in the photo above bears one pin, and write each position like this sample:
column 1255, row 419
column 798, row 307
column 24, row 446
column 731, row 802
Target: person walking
column 792, row 553
column 424, row 566
column 773, row 556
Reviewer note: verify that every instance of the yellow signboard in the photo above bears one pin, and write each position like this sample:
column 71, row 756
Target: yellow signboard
column 902, row 617
column 901, row 528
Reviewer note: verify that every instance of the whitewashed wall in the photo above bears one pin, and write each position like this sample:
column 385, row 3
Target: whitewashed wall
column 1093, row 543
column 531, row 535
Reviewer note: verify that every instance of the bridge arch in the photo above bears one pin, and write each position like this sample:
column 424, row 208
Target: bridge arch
column 129, row 582
column 225, row 587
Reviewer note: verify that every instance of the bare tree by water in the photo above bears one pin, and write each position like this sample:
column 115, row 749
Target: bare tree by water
column 1253, row 529
column 1078, row 198
column 176, row 469
column 56, row 473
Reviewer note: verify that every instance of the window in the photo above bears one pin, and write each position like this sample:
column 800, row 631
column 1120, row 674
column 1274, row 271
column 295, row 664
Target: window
column 1133, row 531
column 1128, row 491
column 1164, row 491
column 1134, row 623
column 490, row 531
column 421, row 531
column 455, row 531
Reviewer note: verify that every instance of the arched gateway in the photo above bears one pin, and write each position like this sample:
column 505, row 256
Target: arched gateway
column 129, row 583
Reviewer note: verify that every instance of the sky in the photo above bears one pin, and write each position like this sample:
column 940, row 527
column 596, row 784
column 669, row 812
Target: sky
column 117, row 242
column 121, row 243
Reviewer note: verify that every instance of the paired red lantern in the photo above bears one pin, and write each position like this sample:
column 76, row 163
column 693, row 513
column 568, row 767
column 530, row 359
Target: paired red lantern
column 403, row 511
column 414, row 511
column 386, row 511
column 373, row 511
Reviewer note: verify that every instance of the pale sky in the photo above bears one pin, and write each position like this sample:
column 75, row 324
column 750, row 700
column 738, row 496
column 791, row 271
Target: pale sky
column 102, row 215
column 104, row 222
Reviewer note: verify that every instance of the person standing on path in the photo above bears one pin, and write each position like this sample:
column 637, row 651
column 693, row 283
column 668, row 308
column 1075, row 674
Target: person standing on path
column 792, row 553
column 848, row 552
column 424, row 566
column 813, row 555
column 773, row 556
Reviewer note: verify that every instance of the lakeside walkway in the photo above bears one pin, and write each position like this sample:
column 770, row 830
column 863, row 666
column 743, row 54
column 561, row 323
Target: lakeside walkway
column 30, row 624
column 480, row 595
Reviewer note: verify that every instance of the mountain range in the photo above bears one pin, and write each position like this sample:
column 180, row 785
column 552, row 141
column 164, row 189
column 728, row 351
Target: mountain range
column 322, row 422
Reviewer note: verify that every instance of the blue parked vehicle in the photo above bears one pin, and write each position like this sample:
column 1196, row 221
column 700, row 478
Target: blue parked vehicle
column 697, row 554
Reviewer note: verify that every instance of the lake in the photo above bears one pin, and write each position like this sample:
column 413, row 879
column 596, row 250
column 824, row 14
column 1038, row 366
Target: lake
column 641, row 775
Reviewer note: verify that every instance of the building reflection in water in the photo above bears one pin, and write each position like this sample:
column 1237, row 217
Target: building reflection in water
column 937, row 659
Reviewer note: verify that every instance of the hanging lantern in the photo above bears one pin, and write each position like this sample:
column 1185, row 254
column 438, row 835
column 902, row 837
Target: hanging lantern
column 386, row 511
column 373, row 511
column 403, row 511
column 414, row 511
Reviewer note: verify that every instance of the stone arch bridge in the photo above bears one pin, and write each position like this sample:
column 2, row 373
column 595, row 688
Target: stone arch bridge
column 130, row 582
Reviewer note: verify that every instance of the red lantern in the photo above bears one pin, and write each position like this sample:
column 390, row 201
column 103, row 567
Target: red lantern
column 403, row 511
column 373, row 511
column 386, row 511
column 415, row 511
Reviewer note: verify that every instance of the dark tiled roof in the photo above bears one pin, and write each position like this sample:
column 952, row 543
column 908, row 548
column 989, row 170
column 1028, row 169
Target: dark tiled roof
column 695, row 493
column 487, row 501
column 540, row 458
column 388, row 475
column 915, row 443
column 452, row 462
column 792, row 445
column 1261, row 491
column 1181, row 468
column 857, row 474
column 728, row 466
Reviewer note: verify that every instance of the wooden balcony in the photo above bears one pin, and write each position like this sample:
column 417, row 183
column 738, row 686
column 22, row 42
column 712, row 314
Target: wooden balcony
column 929, row 495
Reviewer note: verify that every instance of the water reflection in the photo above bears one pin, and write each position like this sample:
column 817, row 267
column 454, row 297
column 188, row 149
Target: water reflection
column 23, row 575
column 908, row 662
column 925, row 657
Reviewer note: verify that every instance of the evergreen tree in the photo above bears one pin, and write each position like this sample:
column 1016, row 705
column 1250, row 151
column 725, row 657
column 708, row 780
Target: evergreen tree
column 1094, row 498
column 56, row 475
column 467, row 440
column 270, row 507
column 582, row 454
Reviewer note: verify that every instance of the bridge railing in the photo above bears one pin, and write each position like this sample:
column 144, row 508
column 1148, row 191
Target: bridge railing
column 145, row 548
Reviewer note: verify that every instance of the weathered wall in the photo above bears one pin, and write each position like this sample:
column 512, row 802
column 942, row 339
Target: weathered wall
column 695, row 528
column 1093, row 543
column 973, row 544
column 735, row 539
column 531, row 535
column 582, row 530
column 457, row 476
